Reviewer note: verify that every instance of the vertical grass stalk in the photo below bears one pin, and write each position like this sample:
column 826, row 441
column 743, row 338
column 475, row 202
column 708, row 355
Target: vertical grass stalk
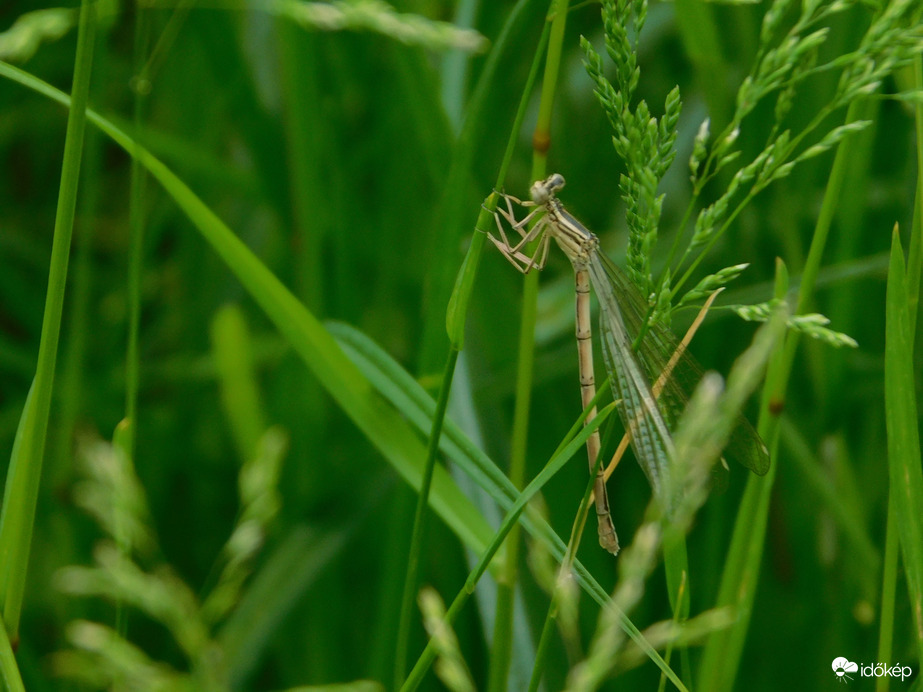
column 564, row 571
column 408, row 597
column 892, row 542
column 905, row 472
column 510, row 522
column 456, row 313
column 9, row 672
column 501, row 647
column 721, row 659
column 24, row 475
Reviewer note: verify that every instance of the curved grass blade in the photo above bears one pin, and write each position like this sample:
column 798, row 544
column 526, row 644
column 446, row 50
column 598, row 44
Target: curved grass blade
column 906, row 479
column 385, row 427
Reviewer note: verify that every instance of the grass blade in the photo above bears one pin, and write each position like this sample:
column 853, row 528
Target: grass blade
column 904, row 468
column 24, row 473
column 9, row 671
column 383, row 426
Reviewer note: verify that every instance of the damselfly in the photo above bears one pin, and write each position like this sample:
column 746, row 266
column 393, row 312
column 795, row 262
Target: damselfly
column 632, row 368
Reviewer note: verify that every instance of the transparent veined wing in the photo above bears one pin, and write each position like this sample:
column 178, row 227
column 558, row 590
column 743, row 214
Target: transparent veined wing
column 639, row 410
column 655, row 352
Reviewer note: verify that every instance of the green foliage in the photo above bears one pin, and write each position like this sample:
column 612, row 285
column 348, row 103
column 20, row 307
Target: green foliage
column 333, row 157
column 644, row 143
column 380, row 17
column 21, row 41
column 101, row 656
column 711, row 283
column 700, row 438
column 450, row 665
column 811, row 324
column 903, row 434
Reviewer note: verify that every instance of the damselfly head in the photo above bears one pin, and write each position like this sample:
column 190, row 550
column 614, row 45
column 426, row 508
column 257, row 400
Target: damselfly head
column 544, row 190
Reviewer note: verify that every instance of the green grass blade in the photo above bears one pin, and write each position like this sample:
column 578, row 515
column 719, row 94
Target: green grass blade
column 554, row 465
column 24, row 474
column 452, row 219
column 21, row 488
column 9, row 672
column 136, row 222
column 551, row 468
column 888, row 595
column 240, row 394
column 408, row 598
column 562, row 593
column 915, row 254
column 407, row 395
column 844, row 507
column 501, row 644
column 676, row 569
column 721, row 658
column 906, row 475
column 457, row 310
column 723, row 651
column 383, row 426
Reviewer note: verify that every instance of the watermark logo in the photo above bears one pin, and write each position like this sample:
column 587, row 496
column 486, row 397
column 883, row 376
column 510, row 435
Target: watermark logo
column 842, row 667
column 845, row 670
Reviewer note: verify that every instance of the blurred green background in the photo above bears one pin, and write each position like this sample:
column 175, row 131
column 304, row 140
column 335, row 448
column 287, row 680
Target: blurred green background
column 329, row 154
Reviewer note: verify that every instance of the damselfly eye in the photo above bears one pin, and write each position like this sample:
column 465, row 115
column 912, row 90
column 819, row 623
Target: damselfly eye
column 543, row 190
